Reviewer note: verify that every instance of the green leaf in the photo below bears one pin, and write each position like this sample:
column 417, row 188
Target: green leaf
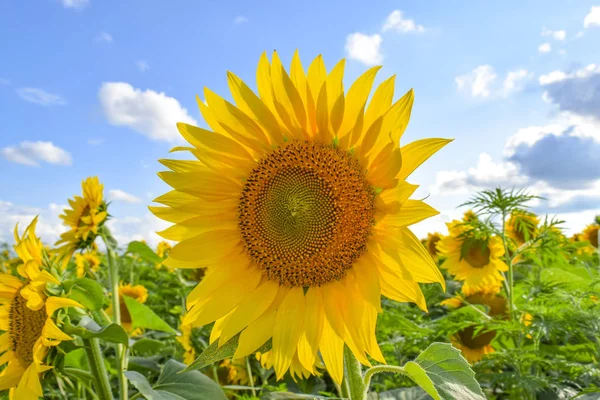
column 173, row 383
column 143, row 317
column 147, row 347
column 214, row 353
column 89, row 293
column 145, row 252
column 76, row 359
column 444, row 374
column 89, row 329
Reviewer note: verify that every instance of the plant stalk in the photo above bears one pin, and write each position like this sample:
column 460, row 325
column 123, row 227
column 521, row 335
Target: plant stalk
column 510, row 287
column 113, row 277
column 250, row 377
column 98, row 369
column 353, row 376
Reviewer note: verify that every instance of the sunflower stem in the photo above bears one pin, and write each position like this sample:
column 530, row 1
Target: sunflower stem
column 509, row 288
column 113, row 277
column 250, row 377
column 353, row 376
column 377, row 370
column 98, row 369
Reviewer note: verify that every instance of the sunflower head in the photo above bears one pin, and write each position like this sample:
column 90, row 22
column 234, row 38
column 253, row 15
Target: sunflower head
column 85, row 216
column 232, row 372
column 473, row 256
column 431, row 243
column 185, row 339
column 27, row 317
column 590, row 233
column 87, row 261
column 475, row 344
column 469, row 216
column 522, row 226
column 137, row 292
column 298, row 207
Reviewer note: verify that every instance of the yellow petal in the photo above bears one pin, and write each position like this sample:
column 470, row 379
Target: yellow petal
column 53, row 303
column 400, row 290
column 313, row 328
column 253, row 307
column 217, row 329
column 287, row 329
column 412, row 211
column 323, row 133
column 355, row 101
column 316, row 76
column 287, row 94
column 332, row 350
column 208, row 247
column 202, row 138
column 412, row 252
column 298, row 77
column 52, row 335
column 335, row 96
column 29, row 387
column 417, row 152
column 381, row 101
column 367, row 280
column 384, row 168
column 169, row 214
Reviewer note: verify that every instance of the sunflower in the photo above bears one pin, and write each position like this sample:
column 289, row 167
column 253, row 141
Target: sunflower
column 162, row 250
column 185, row 339
column 590, row 233
column 139, row 293
column 86, row 215
column 297, row 370
column 233, row 372
column 88, row 261
column 298, row 206
column 473, row 259
column 475, row 346
column 470, row 215
column 27, row 317
column 522, row 226
column 431, row 243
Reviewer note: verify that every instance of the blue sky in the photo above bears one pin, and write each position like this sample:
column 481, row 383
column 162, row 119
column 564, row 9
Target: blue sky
column 90, row 87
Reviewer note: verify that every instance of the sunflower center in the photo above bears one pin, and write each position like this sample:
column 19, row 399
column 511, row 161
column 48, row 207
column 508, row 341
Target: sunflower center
column 306, row 213
column 472, row 341
column 593, row 237
column 478, row 254
column 25, row 328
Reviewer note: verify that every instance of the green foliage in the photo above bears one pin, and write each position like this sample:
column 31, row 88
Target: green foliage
column 143, row 317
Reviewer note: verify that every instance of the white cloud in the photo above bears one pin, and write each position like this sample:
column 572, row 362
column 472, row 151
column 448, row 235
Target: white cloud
column 127, row 229
column 49, row 226
column 364, row 48
column 142, row 65
column 515, row 81
column 31, row 153
column 545, row 48
column 120, row 195
column 579, row 35
column 593, row 18
column 39, row 96
column 76, row 4
column 104, row 37
column 556, row 35
column 478, row 81
column 397, row 22
column 240, row 19
column 148, row 112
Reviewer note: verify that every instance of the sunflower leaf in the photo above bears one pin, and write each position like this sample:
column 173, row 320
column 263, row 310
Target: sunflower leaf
column 145, row 252
column 176, row 383
column 214, row 353
column 89, row 329
column 89, row 293
column 444, row 374
column 143, row 317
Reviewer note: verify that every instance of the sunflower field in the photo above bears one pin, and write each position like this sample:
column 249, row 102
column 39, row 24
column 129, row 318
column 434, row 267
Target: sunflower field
column 290, row 270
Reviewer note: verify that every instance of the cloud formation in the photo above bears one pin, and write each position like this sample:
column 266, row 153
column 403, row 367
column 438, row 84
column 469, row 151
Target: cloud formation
column 364, row 48
column 41, row 97
column 593, row 18
column 32, row 153
column 120, row 195
column 398, row 23
column 150, row 113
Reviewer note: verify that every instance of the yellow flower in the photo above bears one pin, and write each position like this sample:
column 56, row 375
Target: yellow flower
column 590, row 233
column 88, row 261
column 469, row 215
column 522, row 226
column 297, row 370
column 475, row 346
column 431, row 244
column 85, row 216
column 139, row 293
column 26, row 316
column 299, row 208
column 235, row 370
column 185, row 339
column 162, row 250
column 476, row 261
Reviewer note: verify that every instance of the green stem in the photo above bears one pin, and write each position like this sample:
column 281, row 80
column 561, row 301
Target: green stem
column 113, row 277
column 379, row 369
column 510, row 286
column 353, row 376
column 250, row 377
column 98, row 369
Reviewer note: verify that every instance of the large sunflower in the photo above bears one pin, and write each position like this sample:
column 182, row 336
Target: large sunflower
column 26, row 317
column 475, row 345
column 84, row 218
column 298, row 206
column 475, row 260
